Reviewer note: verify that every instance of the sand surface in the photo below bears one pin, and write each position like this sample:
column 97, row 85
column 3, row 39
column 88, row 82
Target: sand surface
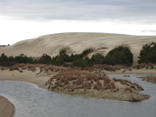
column 77, row 42
column 7, row 109
column 27, row 76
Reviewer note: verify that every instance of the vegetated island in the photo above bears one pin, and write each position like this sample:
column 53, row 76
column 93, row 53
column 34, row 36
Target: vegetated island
column 92, row 85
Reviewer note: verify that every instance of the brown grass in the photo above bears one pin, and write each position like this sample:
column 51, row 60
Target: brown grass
column 113, row 85
column 106, row 67
column 76, row 79
column 2, row 68
column 106, row 80
column 21, row 65
column 15, row 67
column 144, row 65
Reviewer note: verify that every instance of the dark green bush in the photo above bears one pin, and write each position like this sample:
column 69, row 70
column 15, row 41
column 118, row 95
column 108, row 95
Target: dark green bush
column 9, row 61
column 97, row 58
column 148, row 54
column 22, row 59
column 45, row 59
column 80, row 63
column 120, row 55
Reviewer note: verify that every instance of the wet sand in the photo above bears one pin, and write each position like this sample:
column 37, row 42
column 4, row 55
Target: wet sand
column 7, row 109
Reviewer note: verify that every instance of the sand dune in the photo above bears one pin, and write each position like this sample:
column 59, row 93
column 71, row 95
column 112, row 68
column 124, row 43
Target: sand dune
column 77, row 42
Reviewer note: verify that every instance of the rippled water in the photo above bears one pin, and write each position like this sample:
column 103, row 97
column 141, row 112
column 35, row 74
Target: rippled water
column 32, row 101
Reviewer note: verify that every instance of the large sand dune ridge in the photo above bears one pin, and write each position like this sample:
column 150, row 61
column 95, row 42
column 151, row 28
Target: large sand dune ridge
column 77, row 42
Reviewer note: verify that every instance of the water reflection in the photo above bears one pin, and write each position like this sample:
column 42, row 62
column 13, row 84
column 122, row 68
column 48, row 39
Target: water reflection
column 30, row 100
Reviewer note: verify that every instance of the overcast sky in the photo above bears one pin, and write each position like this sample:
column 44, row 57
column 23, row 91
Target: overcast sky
column 25, row 19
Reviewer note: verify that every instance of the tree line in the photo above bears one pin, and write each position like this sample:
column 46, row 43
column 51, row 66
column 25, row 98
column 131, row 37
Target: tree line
column 118, row 56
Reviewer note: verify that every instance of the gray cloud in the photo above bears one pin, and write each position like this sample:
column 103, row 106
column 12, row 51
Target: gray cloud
column 139, row 10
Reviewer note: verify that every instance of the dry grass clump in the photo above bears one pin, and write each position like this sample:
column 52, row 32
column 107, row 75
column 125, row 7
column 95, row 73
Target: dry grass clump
column 46, row 69
column 31, row 67
column 129, row 84
column 106, row 80
column 54, row 68
column 21, row 65
column 15, row 67
column 151, row 79
column 85, row 83
column 20, row 71
column 71, row 81
column 2, row 68
column 122, row 81
column 75, row 80
column 144, row 65
column 107, row 67
column 138, row 86
column 109, row 84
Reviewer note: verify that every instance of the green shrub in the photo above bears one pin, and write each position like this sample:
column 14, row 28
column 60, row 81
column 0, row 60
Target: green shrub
column 45, row 59
column 148, row 54
column 9, row 61
column 120, row 55
column 80, row 63
column 97, row 58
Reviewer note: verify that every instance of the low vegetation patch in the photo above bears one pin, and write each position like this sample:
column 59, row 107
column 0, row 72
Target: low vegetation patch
column 145, row 65
column 151, row 79
column 92, row 85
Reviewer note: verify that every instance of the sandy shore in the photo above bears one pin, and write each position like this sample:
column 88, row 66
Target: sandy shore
column 7, row 109
column 27, row 76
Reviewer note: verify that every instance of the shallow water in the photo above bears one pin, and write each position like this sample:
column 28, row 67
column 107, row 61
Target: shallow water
column 32, row 101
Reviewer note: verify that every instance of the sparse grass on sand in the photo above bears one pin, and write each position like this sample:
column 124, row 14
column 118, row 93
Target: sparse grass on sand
column 151, row 79
column 91, row 85
column 75, row 81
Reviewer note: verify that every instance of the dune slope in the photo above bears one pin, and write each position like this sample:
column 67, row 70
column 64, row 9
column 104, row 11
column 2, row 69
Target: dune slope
column 77, row 42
